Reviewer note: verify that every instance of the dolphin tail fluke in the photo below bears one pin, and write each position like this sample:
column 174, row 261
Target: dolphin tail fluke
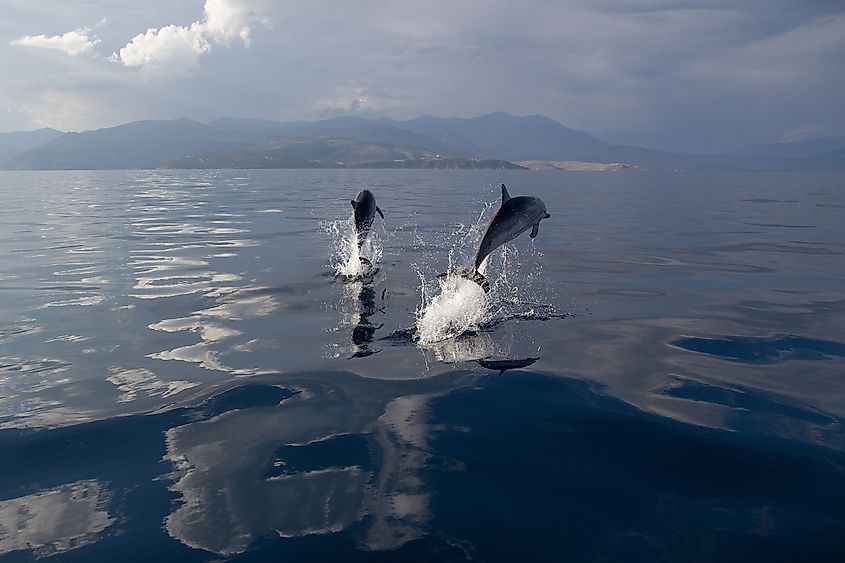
column 379, row 212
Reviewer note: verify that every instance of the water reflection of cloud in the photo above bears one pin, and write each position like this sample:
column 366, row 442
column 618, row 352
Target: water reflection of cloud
column 231, row 304
column 19, row 330
column 56, row 520
column 227, row 502
column 22, row 374
column 124, row 251
column 74, row 338
column 244, row 303
column 469, row 347
column 398, row 500
column 133, row 382
column 82, row 301
column 237, row 482
column 208, row 332
column 155, row 287
column 199, row 354
column 637, row 359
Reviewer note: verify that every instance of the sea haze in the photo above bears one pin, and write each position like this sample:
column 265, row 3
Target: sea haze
column 184, row 377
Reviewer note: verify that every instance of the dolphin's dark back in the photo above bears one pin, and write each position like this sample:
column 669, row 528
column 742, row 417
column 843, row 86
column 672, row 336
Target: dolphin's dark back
column 364, row 209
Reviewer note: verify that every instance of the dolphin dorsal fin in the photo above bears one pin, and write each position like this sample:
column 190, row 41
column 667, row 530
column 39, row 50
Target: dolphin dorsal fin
column 505, row 195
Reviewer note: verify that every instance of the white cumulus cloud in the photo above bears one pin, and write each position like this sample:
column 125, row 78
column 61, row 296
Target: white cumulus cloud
column 179, row 47
column 73, row 42
column 227, row 19
column 172, row 45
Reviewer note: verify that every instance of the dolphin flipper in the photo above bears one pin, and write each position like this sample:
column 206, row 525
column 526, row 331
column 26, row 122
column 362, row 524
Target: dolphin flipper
column 354, row 204
column 534, row 230
column 379, row 212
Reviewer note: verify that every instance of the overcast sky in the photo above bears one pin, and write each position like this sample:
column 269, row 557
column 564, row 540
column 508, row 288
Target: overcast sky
column 670, row 74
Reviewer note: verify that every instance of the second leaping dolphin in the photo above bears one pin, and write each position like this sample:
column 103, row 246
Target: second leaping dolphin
column 364, row 210
column 515, row 216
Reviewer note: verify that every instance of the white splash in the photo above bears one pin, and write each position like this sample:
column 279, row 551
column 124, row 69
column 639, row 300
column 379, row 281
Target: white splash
column 457, row 304
column 349, row 259
column 460, row 306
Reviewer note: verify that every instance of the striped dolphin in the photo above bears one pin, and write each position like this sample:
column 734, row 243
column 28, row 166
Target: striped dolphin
column 515, row 216
column 364, row 209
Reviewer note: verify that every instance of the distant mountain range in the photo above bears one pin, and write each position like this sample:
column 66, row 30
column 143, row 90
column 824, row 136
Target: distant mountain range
column 496, row 140
column 13, row 144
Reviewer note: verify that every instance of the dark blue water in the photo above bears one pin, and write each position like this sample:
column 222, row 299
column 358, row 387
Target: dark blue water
column 660, row 376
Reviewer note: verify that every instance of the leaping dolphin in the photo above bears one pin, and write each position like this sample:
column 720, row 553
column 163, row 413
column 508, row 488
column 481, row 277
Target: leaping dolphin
column 364, row 209
column 513, row 218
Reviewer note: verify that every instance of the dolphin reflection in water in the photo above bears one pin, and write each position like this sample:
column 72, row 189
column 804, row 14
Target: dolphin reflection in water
column 364, row 331
column 503, row 365
column 515, row 216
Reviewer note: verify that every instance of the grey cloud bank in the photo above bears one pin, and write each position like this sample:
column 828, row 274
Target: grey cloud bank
column 670, row 75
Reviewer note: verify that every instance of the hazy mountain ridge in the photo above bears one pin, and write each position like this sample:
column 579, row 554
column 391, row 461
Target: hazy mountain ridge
column 329, row 152
column 140, row 144
column 493, row 140
column 13, row 144
column 505, row 136
column 149, row 144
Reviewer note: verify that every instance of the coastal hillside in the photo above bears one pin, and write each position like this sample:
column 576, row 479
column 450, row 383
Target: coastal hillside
column 496, row 140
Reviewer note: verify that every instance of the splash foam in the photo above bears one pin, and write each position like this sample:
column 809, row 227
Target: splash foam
column 348, row 258
column 460, row 306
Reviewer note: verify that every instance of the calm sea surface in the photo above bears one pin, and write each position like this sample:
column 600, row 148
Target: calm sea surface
column 184, row 378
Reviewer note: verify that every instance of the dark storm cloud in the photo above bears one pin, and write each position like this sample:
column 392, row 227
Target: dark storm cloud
column 668, row 74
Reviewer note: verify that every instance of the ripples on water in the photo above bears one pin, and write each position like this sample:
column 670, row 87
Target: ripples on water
column 663, row 362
